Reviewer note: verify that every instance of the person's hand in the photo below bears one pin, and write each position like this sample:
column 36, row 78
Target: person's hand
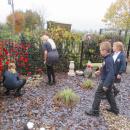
column 118, row 76
column 105, row 89
column 97, row 73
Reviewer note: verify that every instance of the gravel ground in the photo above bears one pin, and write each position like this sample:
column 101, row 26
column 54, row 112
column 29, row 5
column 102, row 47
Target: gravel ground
column 36, row 105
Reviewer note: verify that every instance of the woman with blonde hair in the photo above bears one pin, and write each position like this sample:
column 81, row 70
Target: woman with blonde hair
column 12, row 81
column 51, row 57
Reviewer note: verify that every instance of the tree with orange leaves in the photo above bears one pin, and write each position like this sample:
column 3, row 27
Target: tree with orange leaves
column 19, row 21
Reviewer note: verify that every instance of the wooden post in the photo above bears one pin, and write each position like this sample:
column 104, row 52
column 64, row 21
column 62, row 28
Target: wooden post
column 10, row 2
column 128, row 49
column 81, row 55
column 100, row 32
column 120, row 31
column 1, row 56
column 126, row 31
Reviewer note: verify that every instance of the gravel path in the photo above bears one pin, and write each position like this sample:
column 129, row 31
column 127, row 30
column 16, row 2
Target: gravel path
column 36, row 105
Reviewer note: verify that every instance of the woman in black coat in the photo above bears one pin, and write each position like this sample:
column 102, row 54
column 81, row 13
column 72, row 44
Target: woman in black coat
column 51, row 57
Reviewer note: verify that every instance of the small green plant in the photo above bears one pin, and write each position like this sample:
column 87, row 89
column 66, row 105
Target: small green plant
column 87, row 84
column 66, row 97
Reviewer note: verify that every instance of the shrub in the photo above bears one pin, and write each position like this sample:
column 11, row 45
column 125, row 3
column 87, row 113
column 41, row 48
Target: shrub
column 66, row 97
column 87, row 84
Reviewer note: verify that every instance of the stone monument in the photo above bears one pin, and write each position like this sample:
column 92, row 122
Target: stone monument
column 71, row 69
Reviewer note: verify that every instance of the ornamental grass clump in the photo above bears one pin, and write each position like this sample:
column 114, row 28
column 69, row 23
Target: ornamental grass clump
column 66, row 97
column 87, row 84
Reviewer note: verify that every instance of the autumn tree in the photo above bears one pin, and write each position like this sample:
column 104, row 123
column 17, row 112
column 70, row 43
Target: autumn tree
column 19, row 21
column 118, row 15
column 25, row 20
column 32, row 20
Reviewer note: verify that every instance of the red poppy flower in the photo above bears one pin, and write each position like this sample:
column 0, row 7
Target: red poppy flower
column 7, row 62
column 26, row 53
column 6, row 52
column 25, row 60
column 29, row 73
column 27, row 68
column 1, row 54
column 21, row 58
column 16, row 54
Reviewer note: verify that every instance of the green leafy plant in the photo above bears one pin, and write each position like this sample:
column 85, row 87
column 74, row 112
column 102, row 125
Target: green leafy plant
column 87, row 84
column 66, row 97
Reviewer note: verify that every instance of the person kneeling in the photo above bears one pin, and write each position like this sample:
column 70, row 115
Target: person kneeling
column 11, row 80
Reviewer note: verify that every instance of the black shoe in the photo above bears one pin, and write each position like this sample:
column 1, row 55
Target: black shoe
column 92, row 113
column 116, row 92
column 113, row 111
column 104, row 97
column 7, row 92
column 17, row 94
column 49, row 83
column 54, row 82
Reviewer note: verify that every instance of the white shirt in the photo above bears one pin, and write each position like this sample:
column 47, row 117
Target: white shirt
column 115, row 55
column 53, row 45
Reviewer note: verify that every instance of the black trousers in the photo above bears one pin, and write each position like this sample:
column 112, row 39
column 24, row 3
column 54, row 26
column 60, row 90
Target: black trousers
column 18, row 88
column 109, row 95
column 116, row 81
column 50, row 73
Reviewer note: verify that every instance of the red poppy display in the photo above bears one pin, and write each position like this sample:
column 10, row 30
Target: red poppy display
column 18, row 53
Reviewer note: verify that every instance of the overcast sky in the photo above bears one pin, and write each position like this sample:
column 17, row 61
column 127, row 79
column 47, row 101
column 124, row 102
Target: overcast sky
column 82, row 14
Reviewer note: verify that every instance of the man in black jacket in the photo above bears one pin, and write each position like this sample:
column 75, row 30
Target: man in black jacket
column 107, row 79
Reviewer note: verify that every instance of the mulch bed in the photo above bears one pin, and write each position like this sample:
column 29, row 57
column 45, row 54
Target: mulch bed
column 37, row 106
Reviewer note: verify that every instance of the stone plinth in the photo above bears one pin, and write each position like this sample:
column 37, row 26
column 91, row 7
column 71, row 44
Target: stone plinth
column 71, row 69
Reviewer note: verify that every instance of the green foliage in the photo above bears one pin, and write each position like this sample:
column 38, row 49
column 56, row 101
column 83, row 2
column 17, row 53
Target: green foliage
column 61, row 35
column 87, row 84
column 66, row 97
column 118, row 14
column 91, row 51
column 68, row 45
column 30, row 20
column 5, row 32
column 96, row 66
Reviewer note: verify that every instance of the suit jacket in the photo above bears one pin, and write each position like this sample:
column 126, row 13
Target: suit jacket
column 107, row 71
column 120, row 65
